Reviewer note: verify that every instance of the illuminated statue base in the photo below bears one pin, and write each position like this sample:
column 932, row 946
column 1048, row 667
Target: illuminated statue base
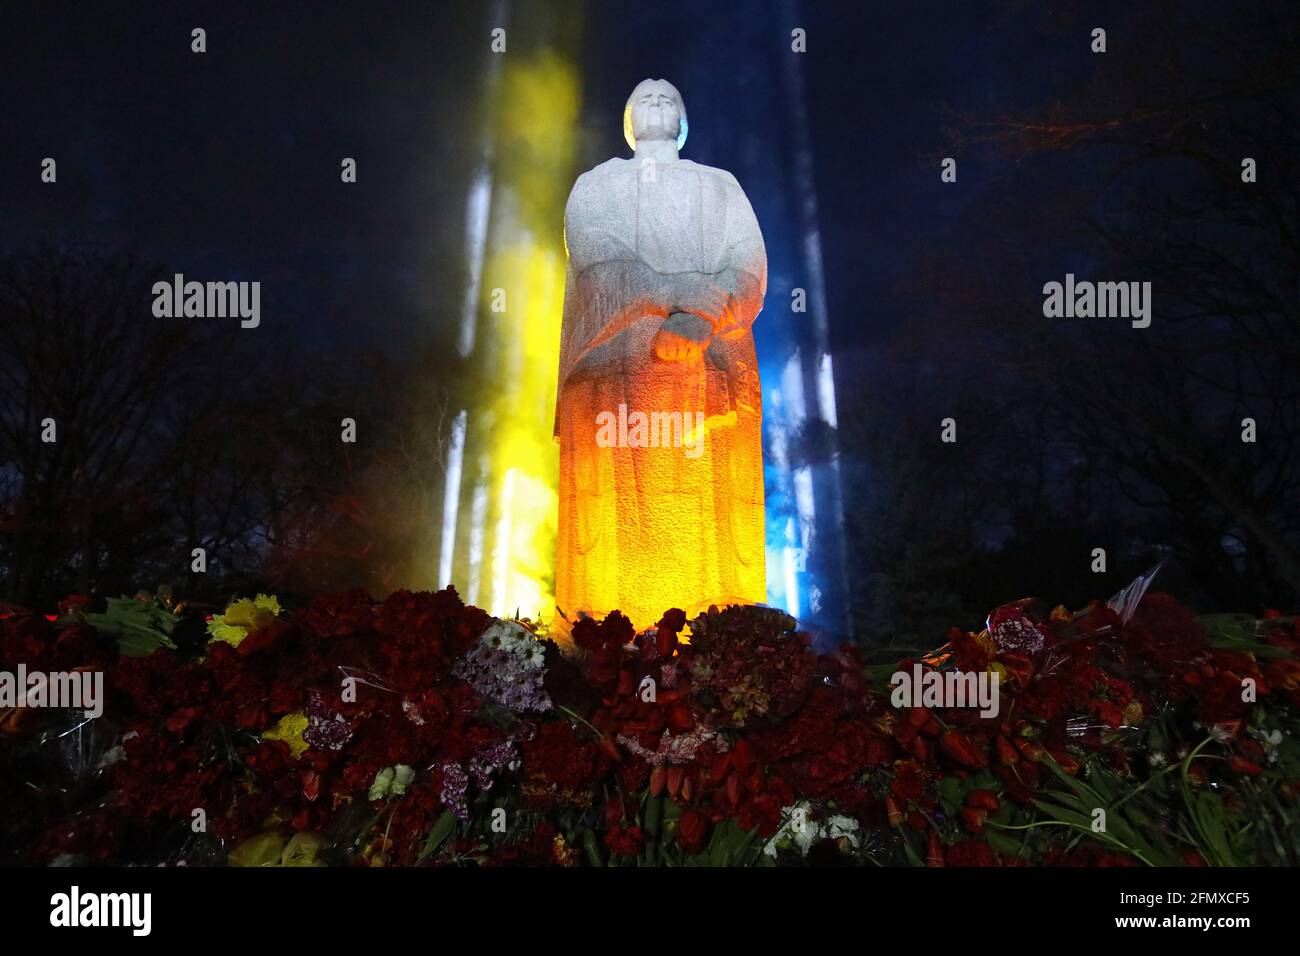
column 673, row 523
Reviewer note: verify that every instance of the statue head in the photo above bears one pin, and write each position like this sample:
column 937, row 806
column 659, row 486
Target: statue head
column 654, row 111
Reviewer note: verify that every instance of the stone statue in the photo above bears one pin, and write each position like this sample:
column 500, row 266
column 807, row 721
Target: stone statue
column 659, row 409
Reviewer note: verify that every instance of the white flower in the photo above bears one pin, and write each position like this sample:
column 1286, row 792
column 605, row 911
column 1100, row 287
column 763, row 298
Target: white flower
column 838, row 826
column 797, row 830
column 392, row 782
column 801, row 831
column 383, row 782
column 402, row 777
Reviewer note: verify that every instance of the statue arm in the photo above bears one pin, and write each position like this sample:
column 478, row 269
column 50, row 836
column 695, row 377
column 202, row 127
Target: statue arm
column 731, row 297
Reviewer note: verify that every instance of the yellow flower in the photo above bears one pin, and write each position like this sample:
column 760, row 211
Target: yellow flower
column 243, row 616
column 240, row 613
column 219, row 630
column 290, row 729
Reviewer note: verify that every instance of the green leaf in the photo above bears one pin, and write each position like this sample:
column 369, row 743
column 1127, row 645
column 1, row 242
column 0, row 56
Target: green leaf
column 1003, row 844
column 950, row 792
column 140, row 626
column 592, row 847
column 913, row 857
column 441, row 830
column 1211, row 824
column 1060, row 814
column 1239, row 632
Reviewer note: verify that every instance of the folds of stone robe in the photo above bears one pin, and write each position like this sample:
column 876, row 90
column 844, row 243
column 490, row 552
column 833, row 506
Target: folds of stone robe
column 675, row 519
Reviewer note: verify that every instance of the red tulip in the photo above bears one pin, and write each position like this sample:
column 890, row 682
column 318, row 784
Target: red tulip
column 962, row 749
column 895, row 814
column 1242, row 765
column 934, row 851
column 310, row 785
column 720, row 767
column 1031, row 751
column 733, row 789
column 742, row 755
column 680, row 719
column 608, row 745
column 658, row 779
column 691, row 829
column 675, row 775
column 1068, row 763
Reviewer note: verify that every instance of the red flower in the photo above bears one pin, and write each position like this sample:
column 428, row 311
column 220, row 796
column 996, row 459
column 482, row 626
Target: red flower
column 934, row 850
column 625, row 840
column 1110, row 713
column 909, row 782
column 181, row 719
column 691, row 830
column 555, row 756
column 971, row 853
column 668, row 628
column 965, row 750
column 1243, row 766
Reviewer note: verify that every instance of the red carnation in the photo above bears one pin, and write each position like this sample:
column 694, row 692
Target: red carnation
column 625, row 840
column 971, row 853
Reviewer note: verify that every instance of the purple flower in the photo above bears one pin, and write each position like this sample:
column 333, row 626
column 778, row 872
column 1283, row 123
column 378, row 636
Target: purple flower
column 507, row 665
column 455, row 787
column 326, row 728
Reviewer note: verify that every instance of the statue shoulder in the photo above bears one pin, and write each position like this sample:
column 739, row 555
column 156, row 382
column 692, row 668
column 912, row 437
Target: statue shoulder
column 595, row 190
column 594, row 177
column 714, row 171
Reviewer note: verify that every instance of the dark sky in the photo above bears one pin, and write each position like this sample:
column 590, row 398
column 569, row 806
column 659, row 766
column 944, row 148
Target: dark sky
column 226, row 164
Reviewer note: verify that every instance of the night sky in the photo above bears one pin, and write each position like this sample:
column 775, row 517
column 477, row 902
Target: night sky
column 225, row 166
column 227, row 163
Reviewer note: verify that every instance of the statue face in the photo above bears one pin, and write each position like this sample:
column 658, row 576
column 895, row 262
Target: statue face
column 656, row 111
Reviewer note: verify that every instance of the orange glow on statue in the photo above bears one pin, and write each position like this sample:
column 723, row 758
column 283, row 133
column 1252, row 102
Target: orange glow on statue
column 659, row 409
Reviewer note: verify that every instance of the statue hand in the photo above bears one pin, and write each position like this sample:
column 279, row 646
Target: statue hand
column 709, row 297
column 683, row 337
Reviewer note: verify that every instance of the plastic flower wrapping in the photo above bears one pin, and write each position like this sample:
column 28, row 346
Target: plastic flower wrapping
column 420, row 731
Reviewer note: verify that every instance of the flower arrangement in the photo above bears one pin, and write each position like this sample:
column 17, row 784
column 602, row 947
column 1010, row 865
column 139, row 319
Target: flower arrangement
column 421, row 731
